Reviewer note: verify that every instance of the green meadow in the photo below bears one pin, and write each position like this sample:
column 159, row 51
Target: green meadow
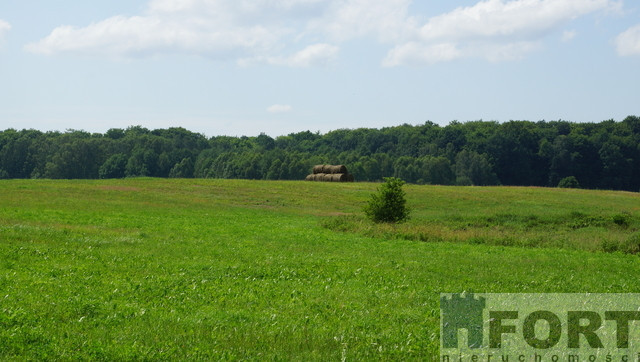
column 141, row 269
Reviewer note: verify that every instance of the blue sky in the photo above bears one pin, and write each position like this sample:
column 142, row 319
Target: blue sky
column 242, row 67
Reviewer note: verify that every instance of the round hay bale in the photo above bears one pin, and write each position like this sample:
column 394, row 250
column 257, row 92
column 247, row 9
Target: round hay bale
column 339, row 169
column 338, row 177
column 318, row 177
column 333, row 169
column 309, row 178
column 327, row 177
column 318, row 168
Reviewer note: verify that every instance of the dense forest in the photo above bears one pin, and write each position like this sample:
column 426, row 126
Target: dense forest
column 603, row 155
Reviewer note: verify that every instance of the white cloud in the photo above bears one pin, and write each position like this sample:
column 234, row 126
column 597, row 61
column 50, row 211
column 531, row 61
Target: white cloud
column 274, row 31
column 492, row 29
column 628, row 43
column 387, row 20
column 416, row 54
column 280, row 108
column 313, row 55
column 317, row 54
column 144, row 35
column 4, row 28
column 249, row 31
column 510, row 19
column 225, row 29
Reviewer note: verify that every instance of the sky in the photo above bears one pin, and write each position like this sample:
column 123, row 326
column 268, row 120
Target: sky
column 245, row 67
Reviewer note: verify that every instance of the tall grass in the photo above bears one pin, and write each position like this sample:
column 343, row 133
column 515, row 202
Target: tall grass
column 513, row 216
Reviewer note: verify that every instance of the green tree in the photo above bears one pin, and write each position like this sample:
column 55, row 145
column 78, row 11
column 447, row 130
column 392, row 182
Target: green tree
column 274, row 170
column 136, row 165
column 15, row 157
column 298, row 169
column 267, row 143
column 389, row 204
column 435, row 171
column 403, row 168
column 513, row 151
column 616, row 168
column 569, row 182
column 164, row 165
column 474, row 167
column 600, row 155
column 77, row 159
column 182, row 169
column 114, row 166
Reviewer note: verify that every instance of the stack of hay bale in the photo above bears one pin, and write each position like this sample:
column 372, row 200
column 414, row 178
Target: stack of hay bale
column 330, row 173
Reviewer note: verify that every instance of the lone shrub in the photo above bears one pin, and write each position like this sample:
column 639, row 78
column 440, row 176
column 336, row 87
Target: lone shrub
column 622, row 220
column 389, row 204
column 609, row 246
column 569, row 183
column 632, row 245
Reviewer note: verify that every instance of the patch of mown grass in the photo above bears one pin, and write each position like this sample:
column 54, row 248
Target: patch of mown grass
column 221, row 269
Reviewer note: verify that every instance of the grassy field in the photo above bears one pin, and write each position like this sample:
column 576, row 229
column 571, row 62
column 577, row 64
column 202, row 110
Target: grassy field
column 225, row 269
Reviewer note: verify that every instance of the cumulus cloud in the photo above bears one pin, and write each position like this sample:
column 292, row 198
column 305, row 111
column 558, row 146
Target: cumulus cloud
column 628, row 43
column 121, row 36
column 492, row 29
column 4, row 29
column 304, row 33
column 312, row 55
column 499, row 18
column 248, row 31
column 226, row 29
column 280, row 108
column 386, row 20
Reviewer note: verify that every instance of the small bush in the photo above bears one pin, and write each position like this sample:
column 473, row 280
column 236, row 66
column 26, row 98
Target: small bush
column 622, row 220
column 629, row 246
column 632, row 245
column 569, row 183
column 588, row 221
column 389, row 204
column 609, row 246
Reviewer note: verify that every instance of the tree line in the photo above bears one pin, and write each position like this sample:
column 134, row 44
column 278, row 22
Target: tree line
column 604, row 155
